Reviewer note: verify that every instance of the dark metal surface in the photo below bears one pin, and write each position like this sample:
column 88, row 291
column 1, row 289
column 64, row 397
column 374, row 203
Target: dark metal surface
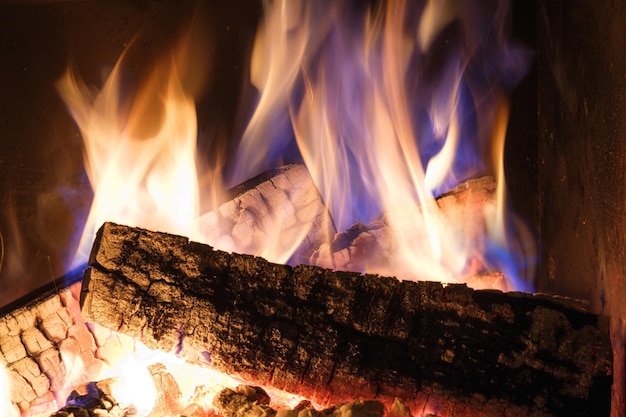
column 582, row 170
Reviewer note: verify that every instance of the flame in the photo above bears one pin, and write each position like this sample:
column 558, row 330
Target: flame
column 141, row 160
column 142, row 165
column 383, row 127
column 135, row 388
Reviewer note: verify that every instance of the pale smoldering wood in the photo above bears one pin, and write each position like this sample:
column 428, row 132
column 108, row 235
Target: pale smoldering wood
column 37, row 341
column 277, row 213
column 333, row 336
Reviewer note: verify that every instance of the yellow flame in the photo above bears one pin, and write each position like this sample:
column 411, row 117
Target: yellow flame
column 140, row 157
column 436, row 16
column 141, row 165
column 342, row 88
column 135, row 387
column 496, row 224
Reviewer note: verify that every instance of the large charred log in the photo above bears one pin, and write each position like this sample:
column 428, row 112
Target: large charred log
column 335, row 336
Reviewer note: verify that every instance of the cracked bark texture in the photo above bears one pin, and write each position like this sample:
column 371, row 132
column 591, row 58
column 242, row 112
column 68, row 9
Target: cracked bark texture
column 278, row 212
column 37, row 342
column 334, row 336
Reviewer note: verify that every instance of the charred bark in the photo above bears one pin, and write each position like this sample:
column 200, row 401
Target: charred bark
column 335, row 336
column 35, row 338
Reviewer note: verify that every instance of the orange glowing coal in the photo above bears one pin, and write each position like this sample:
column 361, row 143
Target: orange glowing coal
column 389, row 106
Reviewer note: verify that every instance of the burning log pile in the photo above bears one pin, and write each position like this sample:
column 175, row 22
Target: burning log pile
column 363, row 344
column 334, row 336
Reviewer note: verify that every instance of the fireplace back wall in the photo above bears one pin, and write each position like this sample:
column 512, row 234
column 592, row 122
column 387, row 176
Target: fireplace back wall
column 582, row 160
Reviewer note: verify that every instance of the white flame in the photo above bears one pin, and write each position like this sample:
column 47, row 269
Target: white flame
column 135, row 387
column 141, row 166
column 7, row 408
column 376, row 130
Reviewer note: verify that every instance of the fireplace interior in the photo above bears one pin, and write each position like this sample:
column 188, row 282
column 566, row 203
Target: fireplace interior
column 565, row 155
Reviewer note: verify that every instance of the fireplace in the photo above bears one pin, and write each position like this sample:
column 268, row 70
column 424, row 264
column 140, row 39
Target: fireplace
column 564, row 156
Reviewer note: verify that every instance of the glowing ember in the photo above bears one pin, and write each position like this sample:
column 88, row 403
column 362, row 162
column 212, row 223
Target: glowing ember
column 135, row 388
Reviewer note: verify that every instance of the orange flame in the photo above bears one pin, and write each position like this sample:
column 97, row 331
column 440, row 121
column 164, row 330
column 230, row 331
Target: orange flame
column 142, row 165
column 377, row 132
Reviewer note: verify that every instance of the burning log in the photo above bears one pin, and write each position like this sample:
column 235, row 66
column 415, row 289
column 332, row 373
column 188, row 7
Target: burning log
column 281, row 205
column 44, row 333
column 373, row 245
column 335, row 336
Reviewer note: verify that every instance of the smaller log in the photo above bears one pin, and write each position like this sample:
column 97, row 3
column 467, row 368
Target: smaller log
column 278, row 214
column 39, row 336
column 374, row 247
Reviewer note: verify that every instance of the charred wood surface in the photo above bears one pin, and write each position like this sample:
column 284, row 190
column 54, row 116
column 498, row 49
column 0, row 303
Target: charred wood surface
column 335, row 336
